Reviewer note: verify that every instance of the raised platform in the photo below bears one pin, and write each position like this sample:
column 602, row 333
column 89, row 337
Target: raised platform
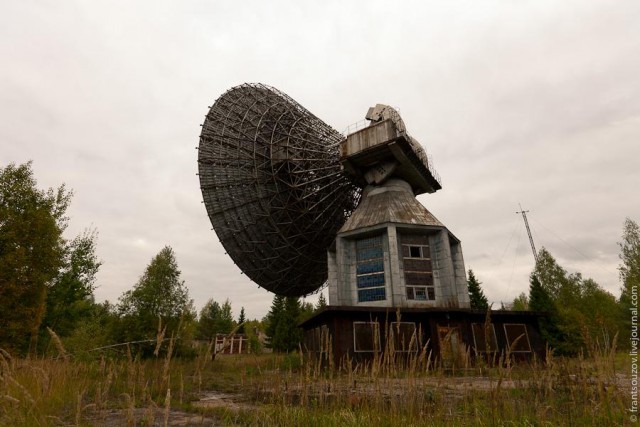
column 373, row 147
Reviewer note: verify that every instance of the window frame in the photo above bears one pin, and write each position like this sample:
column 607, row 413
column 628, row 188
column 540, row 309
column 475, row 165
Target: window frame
column 509, row 341
column 377, row 292
column 493, row 343
column 375, row 330
column 426, row 288
column 392, row 337
column 413, row 290
column 421, row 248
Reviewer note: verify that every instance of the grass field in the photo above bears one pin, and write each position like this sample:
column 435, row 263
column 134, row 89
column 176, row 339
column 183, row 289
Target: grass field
column 275, row 389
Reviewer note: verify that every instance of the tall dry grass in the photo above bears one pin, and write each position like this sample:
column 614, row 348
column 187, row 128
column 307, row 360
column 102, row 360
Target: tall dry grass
column 393, row 388
column 418, row 388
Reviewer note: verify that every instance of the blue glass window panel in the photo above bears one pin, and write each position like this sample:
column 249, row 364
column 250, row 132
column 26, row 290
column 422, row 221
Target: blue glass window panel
column 371, row 280
column 377, row 294
column 374, row 266
column 420, row 294
column 369, row 253
column 369, row 242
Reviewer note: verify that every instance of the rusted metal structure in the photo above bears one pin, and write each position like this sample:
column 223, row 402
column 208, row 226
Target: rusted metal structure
column 283, row 189
column 273, row 187
column 384, row 149
column 397, row 281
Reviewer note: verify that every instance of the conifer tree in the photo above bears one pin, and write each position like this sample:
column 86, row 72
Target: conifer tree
column 241, row 320
column 283, row 321
column 540, row 300
column 476, row 296
column 288, row 334
column 322, row 302
column 274, row 317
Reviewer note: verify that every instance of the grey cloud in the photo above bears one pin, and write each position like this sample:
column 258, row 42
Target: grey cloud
column 532, row 102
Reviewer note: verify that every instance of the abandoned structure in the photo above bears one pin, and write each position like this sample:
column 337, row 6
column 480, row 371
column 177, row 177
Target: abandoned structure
column 295, row 204
column 450, row 334
column 232, row 344
column 392, row 252
column 396, row 275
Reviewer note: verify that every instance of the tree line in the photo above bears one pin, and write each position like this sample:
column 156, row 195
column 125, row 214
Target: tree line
column 580, row 314
column 47, row 285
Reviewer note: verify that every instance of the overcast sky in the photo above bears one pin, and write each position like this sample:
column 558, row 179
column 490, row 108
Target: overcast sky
column 532, row 102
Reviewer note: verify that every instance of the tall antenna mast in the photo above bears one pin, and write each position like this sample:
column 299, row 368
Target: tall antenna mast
column 526, row 224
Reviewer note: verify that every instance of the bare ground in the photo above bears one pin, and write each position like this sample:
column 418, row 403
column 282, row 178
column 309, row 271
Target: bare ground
column 453, row 387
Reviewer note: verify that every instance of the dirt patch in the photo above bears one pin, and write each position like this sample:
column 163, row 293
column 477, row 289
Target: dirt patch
column 149, row 417
column 155, row 416
column 396, row 388
column 214, row 399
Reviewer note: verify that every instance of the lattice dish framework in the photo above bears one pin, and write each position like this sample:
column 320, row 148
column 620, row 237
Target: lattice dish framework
column 273, row 187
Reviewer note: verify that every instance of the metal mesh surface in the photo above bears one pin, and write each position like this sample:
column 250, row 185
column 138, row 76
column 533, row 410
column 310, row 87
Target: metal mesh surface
column 273, row 187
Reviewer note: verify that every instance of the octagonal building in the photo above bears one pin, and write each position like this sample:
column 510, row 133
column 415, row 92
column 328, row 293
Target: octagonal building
column 392, row 252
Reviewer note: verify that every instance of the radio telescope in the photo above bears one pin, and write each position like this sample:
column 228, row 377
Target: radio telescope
column 273, row 187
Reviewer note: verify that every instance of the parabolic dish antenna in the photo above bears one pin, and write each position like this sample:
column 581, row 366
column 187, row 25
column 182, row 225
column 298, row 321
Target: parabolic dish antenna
column 273, row 187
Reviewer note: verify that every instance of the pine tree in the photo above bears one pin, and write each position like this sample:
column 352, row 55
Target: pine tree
column 241, row 320
column 273, row 317
column 476, row 296
column 322, row 302
column 288, row 334
column 283, row 321
column 540, row 300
